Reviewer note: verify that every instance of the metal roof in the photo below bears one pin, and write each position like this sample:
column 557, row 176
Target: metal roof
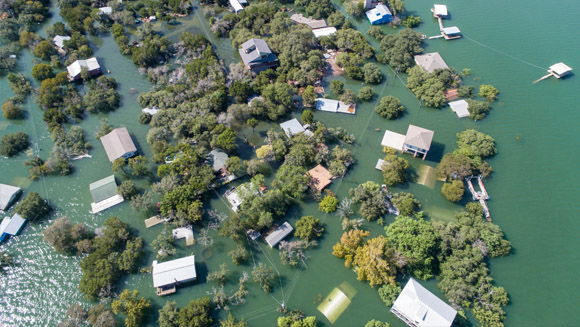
column 460, row 108
column 92, row 64
column 118, row 143
column 378, row 13
column 440, row 10
column 560, row 68
column 256, row 51
column 171, row 272
column 106, row 10
column 12, row 225
column 312, row 23
column 430, row 61
column 292, row 127
column 236, row 5
column 103, row 189
column 279, row 234
column 59, row 40
column 326, row 31
column 419, row 137
column 451, row 30
column 218, row 159
column 7, row 195
column 423, row 308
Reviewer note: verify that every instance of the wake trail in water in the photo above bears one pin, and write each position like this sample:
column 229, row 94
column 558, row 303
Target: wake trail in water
column 504, row 53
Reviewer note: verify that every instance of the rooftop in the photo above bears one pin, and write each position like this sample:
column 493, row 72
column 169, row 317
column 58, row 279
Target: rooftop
column 460, row 108
column 422, row 308
column 236, row 5
column 331, row 105
column 103, row 189
column 440, row 10
column 326, row 31
column 279, row 234
column 451, row 30
column 12, row 226
column 118, row 143
column 218, row 159
column 7, row 195
column 430, row 61
column 59, row 40
column 174, row 271
column 256, row 51
column 560, row 68
column 320, row 177
column 419, row 137
column 393, row 140
column 91, row 64
column 105, row 10
column 292, row 127
column 312, row 23
column 378, row 12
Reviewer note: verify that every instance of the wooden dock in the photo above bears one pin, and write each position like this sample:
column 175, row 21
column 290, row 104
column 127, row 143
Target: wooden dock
column 162, row 291
column 155, row 220
column 480, row 196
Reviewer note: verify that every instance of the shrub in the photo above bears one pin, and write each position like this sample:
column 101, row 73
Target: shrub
column 11, row 110
column 453, row 191
column 390, row 107
column 12, row 144
column 366, row 93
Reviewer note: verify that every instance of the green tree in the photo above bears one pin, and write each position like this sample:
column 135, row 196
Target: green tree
column 169, row 315
column 119, row 164
column 477, row 109
column 337, row 87
column 32, row 207
column 231, row 322
column 372, row 73
column 264, row 276
column 241, row 91
column 328, row 204
column 488, row 92
column 309, row 96
column 454, row 166
column 308, row 228
column 472, row 143
column 196, row 314
column 371, row 198
column 225, row 140
column 411, row 21
column 406, row 203
column 65, row 237
column 453, row 191
column 141, row 202
column 307, row 116
column 374, row 262
column 291, row 180
column 132, row 306
column 400, row 48
column 390, row 107
column 366, row 93
column 12, row 144
column 138, row 165
column 348, row 97
column 239, row 254
column 252, row 122
column 11, row 110
column 394, row 169
column 377, row 323
column 42, row 71
column 128, row 189
column 388, row 293
column 297, row 319
column 44, row 50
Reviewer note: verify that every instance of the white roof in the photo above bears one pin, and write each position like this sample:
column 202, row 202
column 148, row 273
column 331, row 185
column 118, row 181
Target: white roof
column 440, row 10
column 75, row 68
column 170, row 272
column 106, row 10
column 423, row 308
column 378, row 12
column 12, row 225
column 7, row 194
column 380, row 164
column 59, row 40
column 279, row 234
column 393, row 140
column 324, row 31
column 460, row 108
column 292, row 127
column 331, row 105
column 237, row 6
column 152, row 111
column 560, row 68
column 451, row 30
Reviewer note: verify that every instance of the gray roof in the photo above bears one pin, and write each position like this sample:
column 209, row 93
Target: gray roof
column 118, row 143
column 7, row 195
column 91, row 64
column 451, row 30
column 171, row 272
column 430, row 61
column 218, row 159
column 106, row 10
column 59, row 40
column 422, row 308
column 12, row 225
column 279, row 234
column 255, row 51
column 292, row 127
column 419, row 137
column 103, row 189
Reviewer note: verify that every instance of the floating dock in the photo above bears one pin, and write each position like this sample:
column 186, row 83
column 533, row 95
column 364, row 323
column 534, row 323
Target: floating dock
column 184, row 232
column 480, row 196
column 153, row 221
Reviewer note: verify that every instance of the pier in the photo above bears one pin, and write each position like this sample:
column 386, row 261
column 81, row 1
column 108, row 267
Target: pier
column 558, row 70
column 480, row 196
column 449, row 33
column 155, row 220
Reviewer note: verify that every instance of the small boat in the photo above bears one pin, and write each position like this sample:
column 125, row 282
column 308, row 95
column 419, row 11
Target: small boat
column 377, row 129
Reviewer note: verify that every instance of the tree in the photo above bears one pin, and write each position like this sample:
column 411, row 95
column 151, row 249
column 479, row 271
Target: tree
column 388, row 293
column 309, row 96
column 239, row 254
column 372, row 199
column 372, row 73
column 138, row 165
column 234, row 164
column 411, row 21
column 252, row 122
column 417, row 241
column 102, row 95
column 196, row 314
column 297, row 319
column 454, row 166
column 169, row 315
column 44, row 50
column 308, row 228
column 328, row 204
column 226, row 140
column 218, row 276
column 390, row 107
column 307, row 116
column 488, row 92
column 11, row 110
column 132, row 306
column 472, row 143
column 163, row 244
column 42, row 71
column 240, row 90
column 141, row 202
column 350, row 241
column 406, row 203
column 291, row 180
column 12, row 144
column 128, row 189
column 374, row 262
column 453, row 191
column 64, row 236
column 32, row 207
column 377, row 323
column 477, row 109
column 337, row 87
column 348, row 97
column 119, row 164
column 394, row 169
column 400, row 48
column 264, row 276
column 366, row 93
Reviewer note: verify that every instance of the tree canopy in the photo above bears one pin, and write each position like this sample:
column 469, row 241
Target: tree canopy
column 400, row 48
column 390, row 107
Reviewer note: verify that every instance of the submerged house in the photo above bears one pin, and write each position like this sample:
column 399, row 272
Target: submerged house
column 440, row 11
column 11, row 226
column 8, row 194
column 104, row 194
column 105, row 10
column 320, row 177
column 418, row 141
column 279, row 234
column 418, row 307
column 58, row 40
column 331, row 105
column 430, row 62
column 560, row 70
column 91, row 65
column 460, row 108
column 450, row 33
column 257, row 56
column 217, row 159
column 118, row 144
column 312, row 23
column 236, row 5
column 325, row 31
column 379, row 15
column 167, row 275
column 292, row 127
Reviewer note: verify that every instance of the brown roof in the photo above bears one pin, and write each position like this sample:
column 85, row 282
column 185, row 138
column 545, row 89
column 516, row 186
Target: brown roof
column 320, row 177
column 419, row 137
column 451, row 94
column 312, row 23
column 118, row 143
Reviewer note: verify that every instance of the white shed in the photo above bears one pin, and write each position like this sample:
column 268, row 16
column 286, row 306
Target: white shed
column 460, row 108
column 175, row 271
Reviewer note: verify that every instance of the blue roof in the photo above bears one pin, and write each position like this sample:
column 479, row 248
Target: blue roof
column 380, row 14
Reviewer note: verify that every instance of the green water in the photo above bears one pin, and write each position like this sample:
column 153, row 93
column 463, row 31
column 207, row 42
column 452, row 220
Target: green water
column 533, row 193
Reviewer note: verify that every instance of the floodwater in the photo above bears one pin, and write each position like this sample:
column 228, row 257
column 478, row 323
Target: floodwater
column 533, row 189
